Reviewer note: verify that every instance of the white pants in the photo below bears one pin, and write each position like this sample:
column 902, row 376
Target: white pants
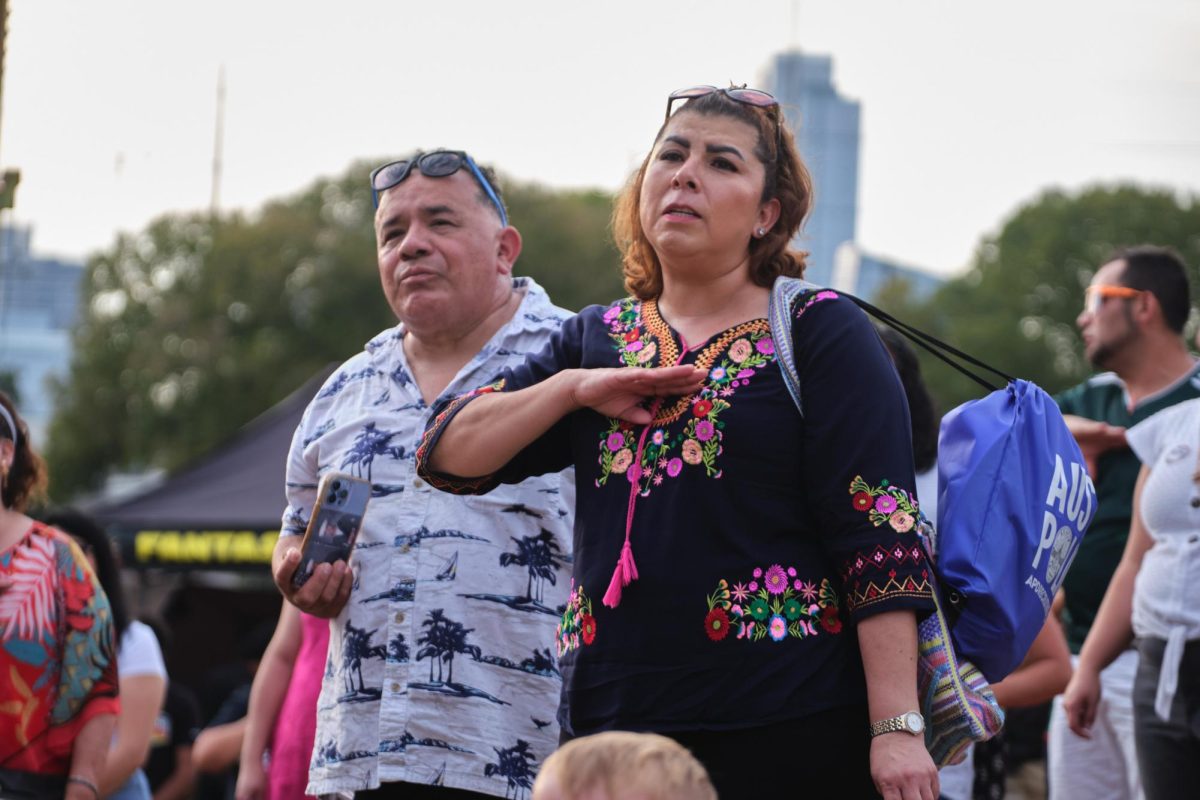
column 1105, row 766
column 958, row 780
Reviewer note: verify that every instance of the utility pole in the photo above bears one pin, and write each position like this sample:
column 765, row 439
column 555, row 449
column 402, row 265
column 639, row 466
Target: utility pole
column 11, row 177
column 218, row 142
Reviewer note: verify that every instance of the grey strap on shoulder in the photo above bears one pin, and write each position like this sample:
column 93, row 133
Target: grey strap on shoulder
column 780, row 315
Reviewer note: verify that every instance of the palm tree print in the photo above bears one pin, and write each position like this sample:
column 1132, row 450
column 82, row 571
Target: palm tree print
column 443, row 638
column 514, row 764
column 369, row 443
column 397, row 650
column 542, row 556
column 356, row 646
column 541, row 663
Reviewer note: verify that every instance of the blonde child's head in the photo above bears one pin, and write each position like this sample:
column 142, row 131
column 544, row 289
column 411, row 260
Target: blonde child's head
column 618, row 765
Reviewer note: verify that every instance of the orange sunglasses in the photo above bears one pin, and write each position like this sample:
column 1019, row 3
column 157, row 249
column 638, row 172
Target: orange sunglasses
column 1094, row 296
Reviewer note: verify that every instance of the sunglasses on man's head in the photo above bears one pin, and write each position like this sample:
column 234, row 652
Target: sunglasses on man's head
column 750, row 97
column 438, row 164
column 1094, row 296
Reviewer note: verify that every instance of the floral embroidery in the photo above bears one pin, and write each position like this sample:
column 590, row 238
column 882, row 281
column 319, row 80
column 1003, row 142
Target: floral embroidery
column 636, row 343
column 577, row 626
column 731, row 360
column 775, row 604
column 815, row 297
column 885, row 503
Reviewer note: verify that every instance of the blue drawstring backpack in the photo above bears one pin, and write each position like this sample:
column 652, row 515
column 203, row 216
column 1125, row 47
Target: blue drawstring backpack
column 1014, row 501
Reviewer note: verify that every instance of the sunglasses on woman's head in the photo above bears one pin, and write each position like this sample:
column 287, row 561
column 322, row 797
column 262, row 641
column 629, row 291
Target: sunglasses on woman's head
column 438, row 164
column 750, row 97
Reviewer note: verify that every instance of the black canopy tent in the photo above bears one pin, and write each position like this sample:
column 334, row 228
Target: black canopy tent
column 221, row 511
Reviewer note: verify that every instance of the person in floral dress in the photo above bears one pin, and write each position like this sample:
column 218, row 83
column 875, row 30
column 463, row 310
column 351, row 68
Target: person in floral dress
column 58, row 693
column 746, row 579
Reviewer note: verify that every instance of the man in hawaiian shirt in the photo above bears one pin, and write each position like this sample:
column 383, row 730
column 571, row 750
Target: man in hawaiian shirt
column 440, row 681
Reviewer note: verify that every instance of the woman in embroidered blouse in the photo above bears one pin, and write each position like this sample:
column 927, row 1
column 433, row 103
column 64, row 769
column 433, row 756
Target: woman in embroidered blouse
column 746, row 539
column 58, row 703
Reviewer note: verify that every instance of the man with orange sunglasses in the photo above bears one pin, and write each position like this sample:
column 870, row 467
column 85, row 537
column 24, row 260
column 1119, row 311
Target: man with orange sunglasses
column 1132, row 326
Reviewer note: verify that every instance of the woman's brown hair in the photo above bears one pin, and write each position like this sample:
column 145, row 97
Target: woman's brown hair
column 786, row 179
column 25, row 480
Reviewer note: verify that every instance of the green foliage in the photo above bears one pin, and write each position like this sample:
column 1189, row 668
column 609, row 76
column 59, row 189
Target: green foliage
column 566, row 244
column 1015, row 307
column 8, row 385
column 197, row 324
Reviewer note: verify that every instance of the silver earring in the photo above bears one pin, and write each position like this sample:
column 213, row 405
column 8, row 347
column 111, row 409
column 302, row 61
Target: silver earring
column 761, row 232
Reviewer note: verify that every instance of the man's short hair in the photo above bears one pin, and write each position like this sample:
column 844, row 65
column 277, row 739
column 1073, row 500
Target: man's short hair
column 1160, row 271
column 490, row 174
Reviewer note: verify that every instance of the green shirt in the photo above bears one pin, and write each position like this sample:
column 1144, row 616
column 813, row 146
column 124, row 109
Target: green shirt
column 1103, row 398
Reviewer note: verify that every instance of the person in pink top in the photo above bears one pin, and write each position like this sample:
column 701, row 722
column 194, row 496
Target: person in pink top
column 283, row 709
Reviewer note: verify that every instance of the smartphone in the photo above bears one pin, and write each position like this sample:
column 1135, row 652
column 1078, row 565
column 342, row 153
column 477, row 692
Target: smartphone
column 333, row 527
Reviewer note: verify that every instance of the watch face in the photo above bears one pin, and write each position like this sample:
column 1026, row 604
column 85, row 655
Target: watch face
column 914, row 722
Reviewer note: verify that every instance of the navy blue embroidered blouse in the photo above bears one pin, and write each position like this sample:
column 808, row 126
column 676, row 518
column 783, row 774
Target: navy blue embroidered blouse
column 759, row 536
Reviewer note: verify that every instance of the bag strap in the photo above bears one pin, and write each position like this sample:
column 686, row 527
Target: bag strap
column 779, row 314
column 783, row 295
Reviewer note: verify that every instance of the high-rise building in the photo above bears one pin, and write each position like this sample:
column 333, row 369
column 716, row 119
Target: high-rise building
column 866, row 275
column 39, row 303
column 827, row 132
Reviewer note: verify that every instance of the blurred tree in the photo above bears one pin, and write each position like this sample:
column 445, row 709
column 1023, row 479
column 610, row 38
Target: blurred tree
column 1015, row 307
column 567, row 247
column 199, row 323
column 8, row 385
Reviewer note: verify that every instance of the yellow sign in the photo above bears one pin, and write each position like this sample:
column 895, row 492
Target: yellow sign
column 204, row 547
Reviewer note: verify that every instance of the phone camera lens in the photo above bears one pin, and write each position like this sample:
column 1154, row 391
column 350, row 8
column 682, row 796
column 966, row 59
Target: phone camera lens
column 332, row 498
column 337, row 485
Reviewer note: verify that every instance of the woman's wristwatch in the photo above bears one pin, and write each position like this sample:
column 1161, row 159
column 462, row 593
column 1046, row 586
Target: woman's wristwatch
column 908, row 722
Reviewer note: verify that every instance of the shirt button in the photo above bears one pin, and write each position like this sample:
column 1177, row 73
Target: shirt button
column 404, row 548
column 395, row 687
column 418, row 483
column 400, row 617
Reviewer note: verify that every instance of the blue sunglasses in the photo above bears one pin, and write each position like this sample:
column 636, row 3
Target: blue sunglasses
column 438, row 164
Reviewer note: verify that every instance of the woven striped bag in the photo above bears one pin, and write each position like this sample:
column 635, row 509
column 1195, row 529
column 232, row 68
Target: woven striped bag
column 956, row 700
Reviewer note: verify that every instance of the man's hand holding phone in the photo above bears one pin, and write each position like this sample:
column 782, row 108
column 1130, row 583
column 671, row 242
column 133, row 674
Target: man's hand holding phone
column 325, row 592
column 315, row 575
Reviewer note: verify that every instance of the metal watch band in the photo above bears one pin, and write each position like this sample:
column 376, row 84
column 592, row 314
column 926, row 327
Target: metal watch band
column 910, row 722
column 889, row 725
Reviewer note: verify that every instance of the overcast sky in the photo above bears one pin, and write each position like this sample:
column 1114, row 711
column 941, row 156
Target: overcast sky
column 968, row 108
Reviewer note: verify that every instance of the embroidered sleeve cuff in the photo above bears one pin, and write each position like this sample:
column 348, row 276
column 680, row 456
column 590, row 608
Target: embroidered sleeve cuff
column 888, row 579
column 433, row 433
column 892, row 573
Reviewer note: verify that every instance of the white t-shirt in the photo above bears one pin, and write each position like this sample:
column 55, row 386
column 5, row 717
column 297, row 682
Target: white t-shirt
column 138, row 652
column 1166, row 593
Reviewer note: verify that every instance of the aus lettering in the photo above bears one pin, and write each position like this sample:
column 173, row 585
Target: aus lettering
column 1074, row 499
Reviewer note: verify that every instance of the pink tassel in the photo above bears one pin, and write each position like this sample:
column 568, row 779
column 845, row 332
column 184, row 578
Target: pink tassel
column 625, row 574
column 626, row 571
